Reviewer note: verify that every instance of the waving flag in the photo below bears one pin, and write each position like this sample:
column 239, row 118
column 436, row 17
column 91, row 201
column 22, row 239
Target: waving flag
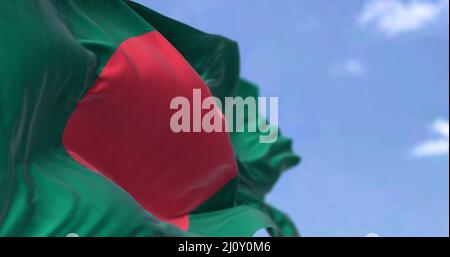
column 85, row 141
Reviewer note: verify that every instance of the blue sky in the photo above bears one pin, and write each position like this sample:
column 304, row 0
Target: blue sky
column 363, row 87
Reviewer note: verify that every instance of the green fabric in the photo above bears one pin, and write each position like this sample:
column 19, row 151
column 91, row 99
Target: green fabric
column 241, row 221
column 260, row 167
column 54, row 196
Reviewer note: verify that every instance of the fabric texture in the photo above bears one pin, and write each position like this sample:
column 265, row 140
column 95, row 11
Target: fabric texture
column 85, row 142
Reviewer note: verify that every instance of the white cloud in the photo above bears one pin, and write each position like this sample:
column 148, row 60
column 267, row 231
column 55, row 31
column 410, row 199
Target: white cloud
column 393, row 17
column 438, row 146
column 351, row 67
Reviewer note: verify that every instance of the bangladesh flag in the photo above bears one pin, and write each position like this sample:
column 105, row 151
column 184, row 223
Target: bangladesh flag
column 85, row 141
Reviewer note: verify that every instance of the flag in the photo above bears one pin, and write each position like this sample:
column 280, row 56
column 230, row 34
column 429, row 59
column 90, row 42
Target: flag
column 85, row 142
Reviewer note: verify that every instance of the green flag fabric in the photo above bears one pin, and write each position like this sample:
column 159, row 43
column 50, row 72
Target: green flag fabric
column 85, row 145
